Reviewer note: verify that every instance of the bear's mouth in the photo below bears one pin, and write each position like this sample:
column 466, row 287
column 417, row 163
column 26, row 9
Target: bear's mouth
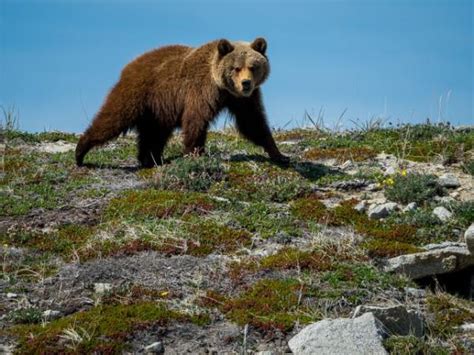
column 247, row 91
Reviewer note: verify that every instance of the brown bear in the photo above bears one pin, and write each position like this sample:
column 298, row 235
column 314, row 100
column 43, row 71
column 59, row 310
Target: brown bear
column 179, row 86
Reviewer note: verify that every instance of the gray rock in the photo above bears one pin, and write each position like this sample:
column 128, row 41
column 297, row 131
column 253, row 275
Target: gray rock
column 381, row 211
column 361, row 206
column 449, row 181
column 389, row 171
column 361, row 335
column 444, row 199
column 410, row 207
column 442, row 213
column 51, row 314
column 443, row 259
column 469, row 238
column 6, row 349
column 155, row 348
column 397, row 320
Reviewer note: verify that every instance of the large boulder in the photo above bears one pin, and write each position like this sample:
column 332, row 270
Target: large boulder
column 469, row 238
column 438, row 259
column 361, row 335
column 397, row 320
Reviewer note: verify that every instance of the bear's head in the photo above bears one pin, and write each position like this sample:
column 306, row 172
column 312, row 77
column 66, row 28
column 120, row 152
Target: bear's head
column 240, row 67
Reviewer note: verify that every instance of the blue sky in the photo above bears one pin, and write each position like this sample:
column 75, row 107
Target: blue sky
column 395, row 59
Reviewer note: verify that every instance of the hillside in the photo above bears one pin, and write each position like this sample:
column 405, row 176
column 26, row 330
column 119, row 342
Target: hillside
column 228, row 251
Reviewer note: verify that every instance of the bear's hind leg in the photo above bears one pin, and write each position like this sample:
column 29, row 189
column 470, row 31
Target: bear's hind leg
column 152, row 138
column 104, row 128
column 195, row 134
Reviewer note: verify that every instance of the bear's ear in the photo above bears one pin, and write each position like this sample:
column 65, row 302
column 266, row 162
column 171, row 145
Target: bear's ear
column 260, row 45
column 224, row 47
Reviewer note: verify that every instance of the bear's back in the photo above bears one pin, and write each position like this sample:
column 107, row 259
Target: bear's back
column 154, row 61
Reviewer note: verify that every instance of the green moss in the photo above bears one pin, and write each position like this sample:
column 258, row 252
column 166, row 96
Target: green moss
column 310, row 208
column 265, row 219
column 268, row 305
column 206, row 237
column 105, row 328
column 39, row 180
column 313, row 260
column 261, row 182
column 381, row 248
column 157, row 204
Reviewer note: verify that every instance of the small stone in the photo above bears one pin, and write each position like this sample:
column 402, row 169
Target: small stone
column 389, row 171
column 12, row 295
column 442, row 213
column 155, row 348
column 51, row 314
column 410, row 207
column 102, row 287
column 415, row 292
column 381, row 211
column 444, row 199
column 467, row 327
column 346, row 164
column 265, row 352
column 469, row 238
column 361, row 206
column 449, row 181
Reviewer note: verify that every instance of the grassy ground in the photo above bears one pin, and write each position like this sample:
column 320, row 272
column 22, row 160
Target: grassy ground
column 222, row 243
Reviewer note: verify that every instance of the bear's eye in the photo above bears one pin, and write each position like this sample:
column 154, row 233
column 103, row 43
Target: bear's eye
column 236, row 69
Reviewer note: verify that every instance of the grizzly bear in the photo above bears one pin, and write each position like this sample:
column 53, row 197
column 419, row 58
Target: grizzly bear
column 183, row 87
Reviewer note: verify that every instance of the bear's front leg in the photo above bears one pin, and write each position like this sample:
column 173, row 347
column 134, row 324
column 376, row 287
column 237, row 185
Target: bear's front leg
column 252, row 124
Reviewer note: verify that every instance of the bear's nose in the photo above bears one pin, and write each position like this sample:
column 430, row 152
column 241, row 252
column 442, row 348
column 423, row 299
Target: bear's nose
column 246, row 84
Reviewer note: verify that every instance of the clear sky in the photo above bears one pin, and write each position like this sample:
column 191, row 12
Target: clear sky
column 403, row 60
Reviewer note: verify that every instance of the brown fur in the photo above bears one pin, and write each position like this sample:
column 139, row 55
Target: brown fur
column 178, row 86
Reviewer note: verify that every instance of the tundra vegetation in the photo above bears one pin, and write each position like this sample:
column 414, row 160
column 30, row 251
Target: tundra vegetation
column 226, row 251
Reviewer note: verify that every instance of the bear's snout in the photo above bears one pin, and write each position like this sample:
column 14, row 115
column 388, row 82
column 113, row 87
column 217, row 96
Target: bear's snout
column 246, row 85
